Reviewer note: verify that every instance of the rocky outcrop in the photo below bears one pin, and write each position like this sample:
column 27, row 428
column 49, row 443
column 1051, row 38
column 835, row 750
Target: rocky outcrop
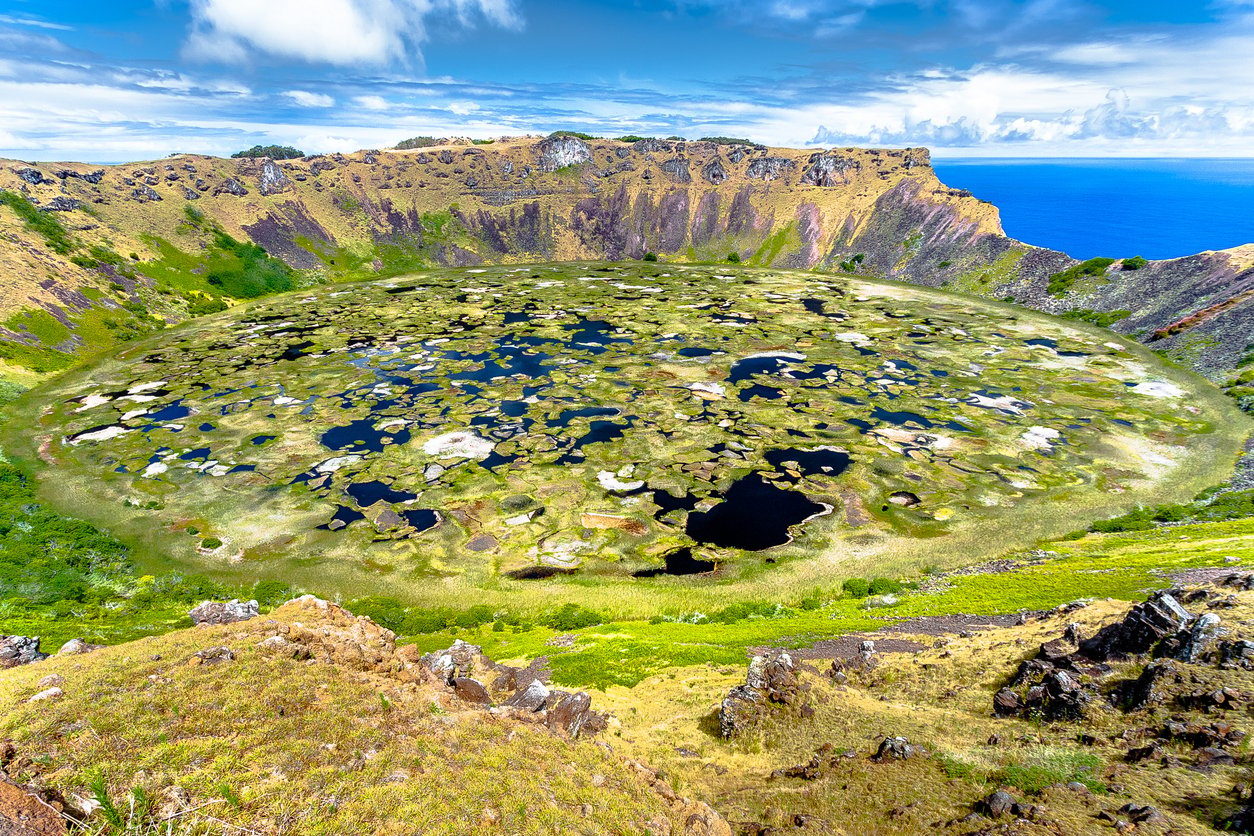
column 829, row 170
column 714, row 173
column 771, row 680
column 232, row 187
column 1048, row 686
column 1146, row 625
column 562, row 152
column 477, row 680
column 19, row 650
column 677, row 169
column 224, row 612
column 273, row 180
column 770, row 168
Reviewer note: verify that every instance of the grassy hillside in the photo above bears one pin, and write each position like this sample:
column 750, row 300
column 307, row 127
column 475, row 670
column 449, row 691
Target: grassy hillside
column 353, row 740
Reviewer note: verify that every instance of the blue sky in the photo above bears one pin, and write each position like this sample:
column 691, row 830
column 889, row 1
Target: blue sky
column 134, row 79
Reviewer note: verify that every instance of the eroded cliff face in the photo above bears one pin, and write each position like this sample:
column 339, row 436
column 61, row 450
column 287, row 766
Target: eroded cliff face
column 882, row 212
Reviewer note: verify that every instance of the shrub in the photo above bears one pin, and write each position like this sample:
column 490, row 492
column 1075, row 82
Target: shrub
column 1061, row 282
column 884, row 586
column 384, row 611
column 476, row 615
column 244, row 270
column 633, row 138
column 426, row 621
column 416, row 142
column 571, row 617
column 274, row 152
column 650, row 256
column 211, row 543
column 733, row 258
column 726, row 140
column 1134, row 263
column 851, row 264
column 271, row 593
column 572, row 134
column 1102, row 318
column 198, row 306
column 856, row 588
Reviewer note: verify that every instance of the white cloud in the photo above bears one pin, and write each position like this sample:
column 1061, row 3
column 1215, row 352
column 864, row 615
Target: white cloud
column 339, row 32
column 372, row 102
column 306, row 99
column 38, row 24
column 462, row 108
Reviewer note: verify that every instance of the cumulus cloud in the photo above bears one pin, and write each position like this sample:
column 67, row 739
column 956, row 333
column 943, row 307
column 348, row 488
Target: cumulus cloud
column 306, row 99
column 338, row 32
column 372, row 102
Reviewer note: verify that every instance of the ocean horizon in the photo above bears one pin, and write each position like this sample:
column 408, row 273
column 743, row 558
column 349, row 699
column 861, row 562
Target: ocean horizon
column 1154, row 207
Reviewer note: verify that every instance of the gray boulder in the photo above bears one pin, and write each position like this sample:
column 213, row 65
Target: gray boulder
column 231, row 186
column 224, row 612
column 829, row 170
column 75, row 647
column 531, row 698
column 1200, row 640
column 458, row 660
column 563, row 151
column 19, row 650
column 714, row 172
column 897, row 748
column 273, row 180
column 769, row 168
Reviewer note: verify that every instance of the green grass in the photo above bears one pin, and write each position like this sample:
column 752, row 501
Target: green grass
column 45, row 224
column 1104, row 319
column 61, row 577
column 1061, row 282
column 1126, row 566
column 40, row 324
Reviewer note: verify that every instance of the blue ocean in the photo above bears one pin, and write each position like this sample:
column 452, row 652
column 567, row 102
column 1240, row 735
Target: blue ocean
column 1114, row 207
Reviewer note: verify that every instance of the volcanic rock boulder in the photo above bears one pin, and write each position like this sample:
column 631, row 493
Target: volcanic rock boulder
column 897, row 748
column 1145, row 625
column 1151, row 687
column 771, row 678
column 224, row 612
column 465, row 669
column 1197, row 643
column 828, row 170
column 769, row 168
column 19, row 650
column 273, row 180
column 563, row 151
